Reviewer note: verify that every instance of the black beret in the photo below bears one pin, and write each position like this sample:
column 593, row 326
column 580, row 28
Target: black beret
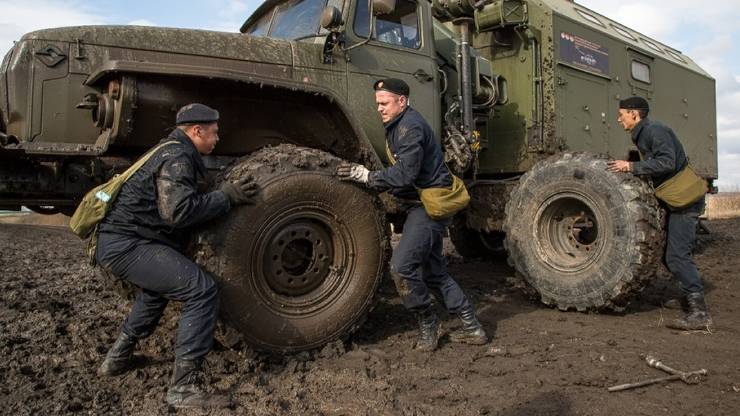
column 394, row 85
column 634, row 103
column 196, row 113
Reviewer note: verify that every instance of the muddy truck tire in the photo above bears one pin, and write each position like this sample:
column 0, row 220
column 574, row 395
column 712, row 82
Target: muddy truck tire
column 302, row 266
column 581, row 237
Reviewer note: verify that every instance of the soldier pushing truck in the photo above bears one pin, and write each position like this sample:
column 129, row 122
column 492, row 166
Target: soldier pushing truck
column 418, row 264
column 141, row 240
column 664, row 160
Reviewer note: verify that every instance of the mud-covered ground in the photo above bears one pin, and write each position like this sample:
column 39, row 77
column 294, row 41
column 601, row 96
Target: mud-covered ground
column 58, row 317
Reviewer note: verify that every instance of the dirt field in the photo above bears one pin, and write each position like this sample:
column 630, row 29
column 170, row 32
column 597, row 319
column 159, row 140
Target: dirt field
column 58, row 317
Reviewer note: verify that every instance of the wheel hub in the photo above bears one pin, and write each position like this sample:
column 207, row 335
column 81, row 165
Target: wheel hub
column 583, row 231
column 567, row 230
column 298, row 258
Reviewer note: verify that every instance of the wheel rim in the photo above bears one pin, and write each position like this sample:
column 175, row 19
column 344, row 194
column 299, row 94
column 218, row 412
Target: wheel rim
column 301, row 259
column 298, row 257
column 569, row 232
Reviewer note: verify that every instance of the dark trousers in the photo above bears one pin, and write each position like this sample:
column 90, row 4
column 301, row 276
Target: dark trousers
column 680, row 239
column 163, row 274
column 418, row 265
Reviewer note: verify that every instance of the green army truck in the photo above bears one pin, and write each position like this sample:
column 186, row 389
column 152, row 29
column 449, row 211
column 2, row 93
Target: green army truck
column 522, row 94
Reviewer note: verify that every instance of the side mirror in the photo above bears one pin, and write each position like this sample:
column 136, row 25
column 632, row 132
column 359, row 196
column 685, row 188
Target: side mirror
column 331, row 18
column 377, row 8
column 381, row 7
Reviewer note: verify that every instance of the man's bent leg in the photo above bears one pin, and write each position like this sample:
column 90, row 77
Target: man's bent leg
column 114, row 254
column 408, row 257
column 435, row 274
column 165, row 274
column 438, row 277
column 125, row 257
column 198, row 317
column 145, row 314
column 411, row 253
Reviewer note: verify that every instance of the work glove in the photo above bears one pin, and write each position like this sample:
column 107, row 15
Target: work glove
column 352, row 172
column 241, row 192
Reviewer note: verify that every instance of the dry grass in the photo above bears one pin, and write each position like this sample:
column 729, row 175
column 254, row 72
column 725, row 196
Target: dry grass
column 58, row 220
column 723, row 205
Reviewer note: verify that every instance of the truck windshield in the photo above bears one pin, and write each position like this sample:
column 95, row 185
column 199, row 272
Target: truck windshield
column 290, row 20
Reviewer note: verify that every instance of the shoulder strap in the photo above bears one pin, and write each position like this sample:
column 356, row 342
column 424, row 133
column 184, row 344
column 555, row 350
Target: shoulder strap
column 389, row 154
column 139, row 163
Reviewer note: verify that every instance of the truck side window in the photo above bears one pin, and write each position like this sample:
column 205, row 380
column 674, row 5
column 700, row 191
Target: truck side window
column 399, row 28
column 260, row 27
column 297, row 18
column 641, row 71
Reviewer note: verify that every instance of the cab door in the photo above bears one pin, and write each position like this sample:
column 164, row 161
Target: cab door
column 401, row 47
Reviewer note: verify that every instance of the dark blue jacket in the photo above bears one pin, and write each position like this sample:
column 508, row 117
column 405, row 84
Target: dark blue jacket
column 662, row 153
column 419, row 158
column 161, row 200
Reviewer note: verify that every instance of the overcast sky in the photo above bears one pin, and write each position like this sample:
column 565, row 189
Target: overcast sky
column 708, row 32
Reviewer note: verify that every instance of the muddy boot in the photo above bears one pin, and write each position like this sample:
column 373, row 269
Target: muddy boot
column 677, row 303
column 428, row 331
column 120, row 357
column 697, row 317
column 472, row 331
column 188, row 390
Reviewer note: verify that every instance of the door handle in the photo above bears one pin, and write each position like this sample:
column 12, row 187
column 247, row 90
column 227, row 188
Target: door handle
column 422, row 76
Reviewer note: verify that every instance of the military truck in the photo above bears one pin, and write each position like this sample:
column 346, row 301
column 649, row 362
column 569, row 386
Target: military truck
column 521, row 93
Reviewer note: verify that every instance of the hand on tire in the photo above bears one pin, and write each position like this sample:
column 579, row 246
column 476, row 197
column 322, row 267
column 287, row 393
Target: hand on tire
column 618, row 166
column 352, row 172
column 241, row 192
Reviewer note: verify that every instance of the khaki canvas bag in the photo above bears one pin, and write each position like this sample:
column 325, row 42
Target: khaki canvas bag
column 97, row 202
column 682, row 189
column 441, row 203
